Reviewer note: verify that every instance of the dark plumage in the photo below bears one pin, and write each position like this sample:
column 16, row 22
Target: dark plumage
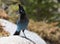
column 22, row 21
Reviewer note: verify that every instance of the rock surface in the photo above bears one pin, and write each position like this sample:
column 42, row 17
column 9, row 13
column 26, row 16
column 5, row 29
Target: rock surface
column 14, row 40
column 33, row 36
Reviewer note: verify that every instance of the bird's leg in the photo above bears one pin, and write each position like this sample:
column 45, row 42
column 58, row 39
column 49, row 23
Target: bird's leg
column 24, row 33
column 17, row 33
column 27, row 38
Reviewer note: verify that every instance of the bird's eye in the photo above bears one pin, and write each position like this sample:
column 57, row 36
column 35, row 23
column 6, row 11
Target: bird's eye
column 21, row 11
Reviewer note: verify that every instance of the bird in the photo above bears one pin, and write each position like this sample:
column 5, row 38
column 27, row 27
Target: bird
column 22, row 21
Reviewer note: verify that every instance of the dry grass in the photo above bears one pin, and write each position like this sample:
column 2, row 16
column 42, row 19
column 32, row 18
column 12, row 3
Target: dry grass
column 3, row 14
column 48, row 31
column 3, row 32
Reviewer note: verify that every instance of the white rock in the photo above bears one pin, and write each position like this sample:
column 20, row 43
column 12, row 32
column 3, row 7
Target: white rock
column 8, row 26
column 14, row 40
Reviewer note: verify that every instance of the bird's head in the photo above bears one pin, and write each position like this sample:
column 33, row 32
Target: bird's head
column 21, row 11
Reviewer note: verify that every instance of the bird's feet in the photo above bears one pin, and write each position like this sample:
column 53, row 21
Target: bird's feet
column 16, row 33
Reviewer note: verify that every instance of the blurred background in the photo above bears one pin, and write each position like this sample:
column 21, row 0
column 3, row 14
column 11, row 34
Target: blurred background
column 44, row 16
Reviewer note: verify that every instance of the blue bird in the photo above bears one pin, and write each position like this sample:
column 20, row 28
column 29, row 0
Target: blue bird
column 22, row 21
